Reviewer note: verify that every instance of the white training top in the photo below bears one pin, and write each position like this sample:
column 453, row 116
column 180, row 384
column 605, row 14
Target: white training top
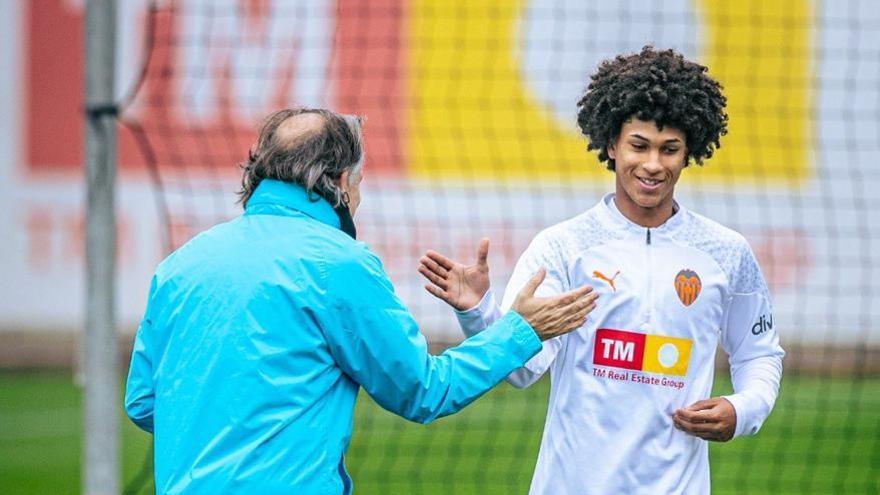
column 667, row 295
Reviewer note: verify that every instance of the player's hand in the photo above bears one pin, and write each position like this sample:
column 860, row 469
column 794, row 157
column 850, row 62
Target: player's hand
column 557, row 315
column 460, row 286
column 711, row 419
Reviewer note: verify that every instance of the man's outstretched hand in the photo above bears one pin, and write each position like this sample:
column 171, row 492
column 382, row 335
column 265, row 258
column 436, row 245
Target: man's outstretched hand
column 460, row 286
column 463, row 286
column 555, row 315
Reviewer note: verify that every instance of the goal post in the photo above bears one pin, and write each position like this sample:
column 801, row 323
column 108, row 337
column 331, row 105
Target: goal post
column 100, row 468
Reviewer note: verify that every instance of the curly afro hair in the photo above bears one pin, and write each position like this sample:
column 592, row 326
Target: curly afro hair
column 653, row 85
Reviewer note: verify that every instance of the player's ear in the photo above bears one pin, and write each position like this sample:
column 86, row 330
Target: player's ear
column 612, row 152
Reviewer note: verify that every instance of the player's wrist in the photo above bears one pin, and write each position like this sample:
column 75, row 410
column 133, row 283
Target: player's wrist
column 475, row 303
column 469, row 302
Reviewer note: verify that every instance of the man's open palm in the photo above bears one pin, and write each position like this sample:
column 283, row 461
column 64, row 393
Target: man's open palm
column 460, row 286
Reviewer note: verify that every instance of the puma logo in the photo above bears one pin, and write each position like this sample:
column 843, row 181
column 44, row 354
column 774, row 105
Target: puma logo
column 609, row 281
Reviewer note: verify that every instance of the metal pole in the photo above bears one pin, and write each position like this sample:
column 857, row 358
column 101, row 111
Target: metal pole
column 101, row 443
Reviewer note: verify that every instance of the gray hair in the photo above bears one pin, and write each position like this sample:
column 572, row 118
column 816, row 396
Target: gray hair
column 291, row 148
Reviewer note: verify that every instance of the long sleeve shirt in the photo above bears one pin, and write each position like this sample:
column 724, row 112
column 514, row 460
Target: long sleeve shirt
column 667, row 297
column 257, row 336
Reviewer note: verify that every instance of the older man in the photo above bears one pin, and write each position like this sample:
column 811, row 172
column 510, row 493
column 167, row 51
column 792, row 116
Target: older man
column 259, row 332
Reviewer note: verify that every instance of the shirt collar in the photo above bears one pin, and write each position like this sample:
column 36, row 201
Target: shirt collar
column 272, row 192
column 612, row 214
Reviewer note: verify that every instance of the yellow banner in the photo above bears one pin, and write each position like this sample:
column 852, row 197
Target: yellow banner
column 471, row 115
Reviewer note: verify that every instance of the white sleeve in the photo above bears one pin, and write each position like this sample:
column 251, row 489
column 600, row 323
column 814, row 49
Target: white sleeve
column 752, row 344
column 478, row 318
column 540, row 253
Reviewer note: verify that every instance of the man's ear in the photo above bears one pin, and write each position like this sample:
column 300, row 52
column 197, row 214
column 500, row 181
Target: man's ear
column 343, row 180
column 612, row 152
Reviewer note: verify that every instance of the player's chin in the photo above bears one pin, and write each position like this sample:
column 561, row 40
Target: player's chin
column 649, row 201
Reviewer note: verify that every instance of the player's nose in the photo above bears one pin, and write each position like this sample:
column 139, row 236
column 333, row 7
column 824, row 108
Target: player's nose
column 652, row 164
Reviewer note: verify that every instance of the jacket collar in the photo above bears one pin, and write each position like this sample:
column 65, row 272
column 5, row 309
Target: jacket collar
column 272, row 192
column 609, row 212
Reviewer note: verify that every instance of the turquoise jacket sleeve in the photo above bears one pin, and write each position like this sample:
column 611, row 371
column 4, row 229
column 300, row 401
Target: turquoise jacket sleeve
column 376, row 342
column 139, row 393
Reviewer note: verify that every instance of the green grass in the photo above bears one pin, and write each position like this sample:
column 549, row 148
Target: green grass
column 823, row 437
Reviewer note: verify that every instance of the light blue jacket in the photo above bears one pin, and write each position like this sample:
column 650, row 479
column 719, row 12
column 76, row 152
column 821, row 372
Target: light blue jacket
column 257, row 336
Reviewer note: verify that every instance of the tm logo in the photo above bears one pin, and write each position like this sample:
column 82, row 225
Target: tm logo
column 764, row 324
column 623, row 351
column 640, row 352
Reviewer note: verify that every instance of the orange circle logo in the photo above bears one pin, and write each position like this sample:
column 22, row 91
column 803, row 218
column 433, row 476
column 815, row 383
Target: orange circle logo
column 688, row 286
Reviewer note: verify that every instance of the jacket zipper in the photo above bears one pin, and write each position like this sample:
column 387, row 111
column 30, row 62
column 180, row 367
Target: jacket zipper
column 648, row 271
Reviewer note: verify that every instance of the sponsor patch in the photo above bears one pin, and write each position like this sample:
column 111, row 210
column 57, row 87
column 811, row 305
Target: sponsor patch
column 657, row 354
column 764, row 324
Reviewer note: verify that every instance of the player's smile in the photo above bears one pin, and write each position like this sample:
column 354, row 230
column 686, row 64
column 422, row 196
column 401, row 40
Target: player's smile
column 649, row 184
column 648, row 162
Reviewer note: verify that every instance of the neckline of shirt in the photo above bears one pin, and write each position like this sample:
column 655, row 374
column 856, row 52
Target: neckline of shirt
column 612, row 214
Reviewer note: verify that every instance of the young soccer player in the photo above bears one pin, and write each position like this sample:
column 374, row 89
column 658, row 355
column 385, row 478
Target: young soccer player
column 629, row 408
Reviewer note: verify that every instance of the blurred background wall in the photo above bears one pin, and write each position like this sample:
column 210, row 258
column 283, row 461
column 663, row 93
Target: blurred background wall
column 470, row 132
